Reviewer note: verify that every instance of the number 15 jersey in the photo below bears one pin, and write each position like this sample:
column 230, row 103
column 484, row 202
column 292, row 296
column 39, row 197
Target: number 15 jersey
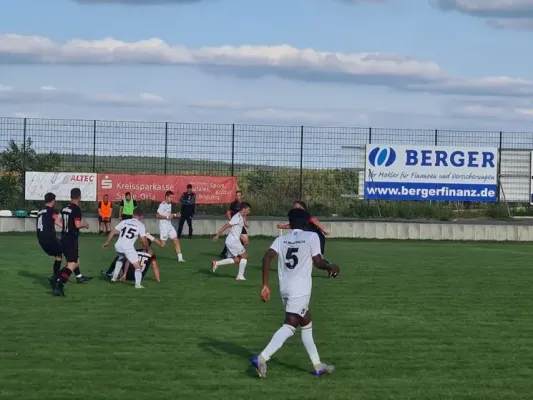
column 128, row 232
column 295, row 262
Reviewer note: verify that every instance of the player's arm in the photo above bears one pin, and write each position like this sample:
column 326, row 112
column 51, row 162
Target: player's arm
column 156, row 271
column 80, row 224
column 113, row 232
column 160, row 243
column 120, row 209
column 318, row 261
column 158, row 215
column 222, row 230
column 319, row 225
column 283, row 226
column 269, row 256
column 125, row 270
column 58, row 221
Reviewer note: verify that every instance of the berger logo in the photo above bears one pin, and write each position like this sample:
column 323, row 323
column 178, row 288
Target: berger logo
column 107, row 183
column 382, row 157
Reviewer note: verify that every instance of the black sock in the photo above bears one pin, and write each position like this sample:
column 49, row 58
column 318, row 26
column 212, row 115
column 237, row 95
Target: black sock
column 77, row 271
column 64, row 276
column 57, row 267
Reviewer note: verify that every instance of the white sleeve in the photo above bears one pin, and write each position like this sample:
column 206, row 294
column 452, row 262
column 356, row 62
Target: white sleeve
column 142, row 230
column 275, row 245
column 160, row 209
column 119, row 226
column 235, row 220
column 315, row 245
column 150, row 237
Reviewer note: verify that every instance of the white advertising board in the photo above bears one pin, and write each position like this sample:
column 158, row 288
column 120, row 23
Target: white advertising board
column 60, row 183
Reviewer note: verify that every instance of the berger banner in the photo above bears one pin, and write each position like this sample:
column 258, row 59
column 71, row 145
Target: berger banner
column 441, row 173
column 59, row 183
column 208, row 189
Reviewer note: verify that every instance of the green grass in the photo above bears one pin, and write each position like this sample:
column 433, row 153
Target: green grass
column 406, row 320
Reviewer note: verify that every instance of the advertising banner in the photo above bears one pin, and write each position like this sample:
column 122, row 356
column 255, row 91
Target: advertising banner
column 60, row 183
column 440, row 173
column 208, row 189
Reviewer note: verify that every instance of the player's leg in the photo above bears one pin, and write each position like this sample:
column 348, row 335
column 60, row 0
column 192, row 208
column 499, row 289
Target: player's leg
column 70, row 251
column 243, row 261
column 189, row 224
column 177, row 246
column 80, row 278
column 133, row 259
column 180, row 225
column 109, row 272
column 108, row 226
column 119, row 264
column 232, row 256
column 284, row 333
column 101, row 224
column 319, row 368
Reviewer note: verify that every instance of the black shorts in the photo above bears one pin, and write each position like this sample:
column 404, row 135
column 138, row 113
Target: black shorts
column 126, row 217
column 69, row 248
column 52, row 247
column 244, row 231
column 100, row 219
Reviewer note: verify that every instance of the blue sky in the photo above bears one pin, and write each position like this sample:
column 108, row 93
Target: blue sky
column 447, row 64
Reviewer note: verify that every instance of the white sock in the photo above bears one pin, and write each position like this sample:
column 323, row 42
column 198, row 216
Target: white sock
column 138, row 277
column 180, row 256
column 118, row 267
column 309, row 343
column 242, row 267
column 277, row 341
column 79, row 275
column 227, row 261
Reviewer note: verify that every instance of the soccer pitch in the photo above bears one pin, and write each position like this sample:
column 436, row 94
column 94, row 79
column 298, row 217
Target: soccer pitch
column 405, row 320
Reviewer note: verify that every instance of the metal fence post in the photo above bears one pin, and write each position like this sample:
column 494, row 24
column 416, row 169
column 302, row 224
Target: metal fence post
column 24, row 158
column 370, row 135
column 436, row 137
column 166, row 149
column 232, row 167
column 499, row 167
column 94, row 146
column 302, row 162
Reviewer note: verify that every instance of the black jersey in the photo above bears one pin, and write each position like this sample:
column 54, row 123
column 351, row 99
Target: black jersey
column 69, row 215
column 235, row 207
column 46, row 230
column 145, row 259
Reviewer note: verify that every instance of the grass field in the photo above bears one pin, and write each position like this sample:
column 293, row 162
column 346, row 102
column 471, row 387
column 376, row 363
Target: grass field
column 406, row 320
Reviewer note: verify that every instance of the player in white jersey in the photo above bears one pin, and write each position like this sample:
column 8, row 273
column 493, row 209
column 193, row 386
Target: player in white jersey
column 128, row 230
column 236, row 253
column 296, row 252
column 166, row 229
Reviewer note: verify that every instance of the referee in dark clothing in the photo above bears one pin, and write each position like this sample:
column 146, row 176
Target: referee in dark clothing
column 234, row 207
column 188, row 208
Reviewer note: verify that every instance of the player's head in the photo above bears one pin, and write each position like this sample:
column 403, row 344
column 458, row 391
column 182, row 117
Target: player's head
column 189, row 188
column 299, row 204
column 50, row 199
column 238, row 195
column 246, row 208
column 298, row 218
column 127, row 196
column 168, row 196
column 137, row 213
column 75, row 194
column 106, row 198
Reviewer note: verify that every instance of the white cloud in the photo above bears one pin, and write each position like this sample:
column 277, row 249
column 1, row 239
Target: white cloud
column 50, row 94
column 283, row 61
column 501, row 14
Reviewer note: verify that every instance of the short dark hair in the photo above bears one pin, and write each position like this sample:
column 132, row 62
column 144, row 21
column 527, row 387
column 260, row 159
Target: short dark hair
column 49, row 197
column 127, row 194
column 75, row 194
column 245, row 205
column 169, row 193
column 238, row 191
column 298, row 218
column 138, row 212
column 301, row 203
column 189, row 186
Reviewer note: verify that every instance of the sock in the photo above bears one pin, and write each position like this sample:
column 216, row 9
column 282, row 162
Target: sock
column 77, row 272
column 277, row 341
column 180, row 256
column 242, row 267
column 118, row 267
column 226, row 261
column 138, row 277
column 57, row 267
column 309, row 343
column 64, row 276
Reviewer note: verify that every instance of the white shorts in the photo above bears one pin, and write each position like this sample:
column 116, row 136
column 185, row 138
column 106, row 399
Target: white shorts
column 296, row 305
column 235, row 249
column 130, row 254
column 167, row 232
